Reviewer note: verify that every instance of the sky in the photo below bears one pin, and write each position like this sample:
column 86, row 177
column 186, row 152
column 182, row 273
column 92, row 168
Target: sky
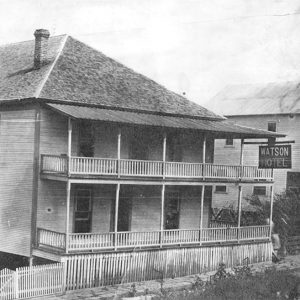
column 192, row 47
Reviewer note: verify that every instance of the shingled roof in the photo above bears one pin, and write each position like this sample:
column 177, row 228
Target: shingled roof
column 263, row 99
column 77, row 73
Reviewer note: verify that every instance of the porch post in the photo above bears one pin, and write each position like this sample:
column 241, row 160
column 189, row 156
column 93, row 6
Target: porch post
column 119, row 152
column 69, row 145
column 239, row 211
column 241, row 158
column 203, row 156
column 162, row 219
column 240, row 189
column 164, row 155
column 201, row 214
column 116, row 214
column 68, row 214
column 271, row 209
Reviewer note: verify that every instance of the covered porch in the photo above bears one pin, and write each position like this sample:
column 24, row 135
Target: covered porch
column 116, row 217
column 89, row 242
column 97, row 143
column 95, row 166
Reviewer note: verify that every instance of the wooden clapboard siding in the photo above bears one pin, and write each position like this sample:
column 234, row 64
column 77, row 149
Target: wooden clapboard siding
column 51, row 209
column 190, row 206
column 146, row 208
column 53, row 133
column 86, row 271
column 231, row 195
column 103, row 202
column 285, row 124
column 151, row 137
column 16, row 179
column 106, row 140
column 189, row 145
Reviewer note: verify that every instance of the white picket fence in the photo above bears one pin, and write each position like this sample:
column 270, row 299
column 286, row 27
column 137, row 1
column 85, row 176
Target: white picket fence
column 33, row 281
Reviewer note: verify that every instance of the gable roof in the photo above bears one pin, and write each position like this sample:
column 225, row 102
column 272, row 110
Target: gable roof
column 77, row 73
column 263, row 99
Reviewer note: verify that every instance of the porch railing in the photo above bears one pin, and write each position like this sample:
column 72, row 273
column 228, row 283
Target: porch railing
column 54, row 163
column 51, row 238
column 93, row 166
column 83, row 241
column 121, row 240
column 130, row 167
column 183, row 169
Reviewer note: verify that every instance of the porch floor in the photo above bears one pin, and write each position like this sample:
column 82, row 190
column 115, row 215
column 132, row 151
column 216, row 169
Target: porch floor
column 121, row 290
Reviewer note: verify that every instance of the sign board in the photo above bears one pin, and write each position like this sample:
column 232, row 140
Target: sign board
column 275, row 157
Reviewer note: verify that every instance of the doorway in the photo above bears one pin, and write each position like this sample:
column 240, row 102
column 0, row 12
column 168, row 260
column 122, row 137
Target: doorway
column 125, row 206
column 83, row 210
column 172, row 208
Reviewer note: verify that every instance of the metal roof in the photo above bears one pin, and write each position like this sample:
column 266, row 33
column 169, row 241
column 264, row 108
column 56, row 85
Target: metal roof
column 221, row 129
column 260, row 99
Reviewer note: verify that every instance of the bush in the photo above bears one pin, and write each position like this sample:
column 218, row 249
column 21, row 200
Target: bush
column 241, row 284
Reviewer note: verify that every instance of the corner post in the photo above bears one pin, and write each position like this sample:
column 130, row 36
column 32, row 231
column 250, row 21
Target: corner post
column 201, row 214
column 68, row 215
column 119, row 153
column 116, row 215
column 240, row 190
column 271, row 209
column 164, row 155
column 69, row 146
column 162, row 219
column 241, row 158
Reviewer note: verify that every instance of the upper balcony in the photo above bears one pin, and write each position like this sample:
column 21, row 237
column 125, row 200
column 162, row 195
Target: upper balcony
column 91, row 166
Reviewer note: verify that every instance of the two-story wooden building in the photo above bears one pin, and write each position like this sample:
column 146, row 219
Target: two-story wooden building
column 108, row 171
column 274, row 107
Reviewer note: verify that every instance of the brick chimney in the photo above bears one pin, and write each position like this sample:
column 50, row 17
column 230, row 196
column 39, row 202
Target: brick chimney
column 41, row 47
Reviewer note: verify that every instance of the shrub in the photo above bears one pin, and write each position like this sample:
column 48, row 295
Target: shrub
column 241, row 284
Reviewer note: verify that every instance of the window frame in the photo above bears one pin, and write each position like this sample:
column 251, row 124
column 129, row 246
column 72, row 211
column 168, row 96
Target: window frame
column 259, row 187
column 231, row 144
column 272, row 124
column 221, row 191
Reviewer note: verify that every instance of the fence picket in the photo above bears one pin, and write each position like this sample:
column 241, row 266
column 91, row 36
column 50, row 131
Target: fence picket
column 31, row 281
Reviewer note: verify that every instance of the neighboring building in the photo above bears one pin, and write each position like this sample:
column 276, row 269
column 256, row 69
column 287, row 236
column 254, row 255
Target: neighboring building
column 274, row 107
column 97, row 160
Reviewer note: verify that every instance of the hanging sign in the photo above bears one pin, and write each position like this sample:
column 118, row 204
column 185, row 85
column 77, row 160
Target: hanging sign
column 275, row 157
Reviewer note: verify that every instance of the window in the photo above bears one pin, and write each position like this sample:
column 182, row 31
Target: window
column 272, row 126
column 260, row 190
column 221, row 189
column 229, row 142
column 293, row 182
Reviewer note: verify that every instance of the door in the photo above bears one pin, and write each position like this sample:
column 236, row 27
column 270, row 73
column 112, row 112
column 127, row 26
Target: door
column 172, row 207
column 125, row 208
column 207, row 209
column 83, row 210
column 86, row 141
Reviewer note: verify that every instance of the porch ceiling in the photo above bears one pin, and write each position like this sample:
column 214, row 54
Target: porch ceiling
column 221, row 129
